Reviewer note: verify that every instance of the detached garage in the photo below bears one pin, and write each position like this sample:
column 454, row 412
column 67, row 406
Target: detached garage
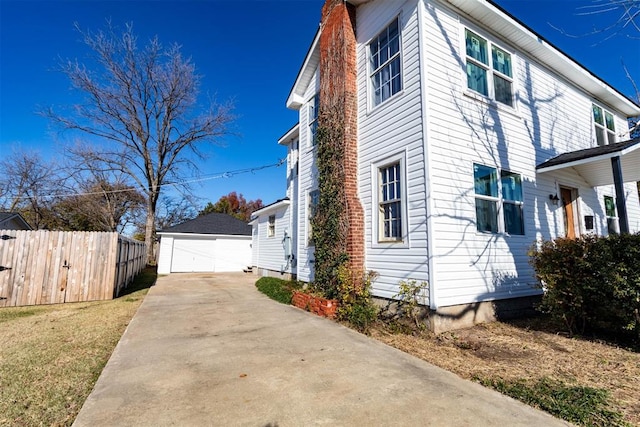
column 210, row 243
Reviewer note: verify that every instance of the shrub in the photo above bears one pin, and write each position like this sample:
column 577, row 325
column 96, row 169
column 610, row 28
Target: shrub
column 592, row 282
column 354, row 298
column 277, row 289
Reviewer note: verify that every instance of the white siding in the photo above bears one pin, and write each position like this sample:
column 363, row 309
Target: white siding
column 293, row 194
column 308, row 181
column 550, row 117
column 271, row 251
column 255, row 244
column 164, row 258
column 392, row 128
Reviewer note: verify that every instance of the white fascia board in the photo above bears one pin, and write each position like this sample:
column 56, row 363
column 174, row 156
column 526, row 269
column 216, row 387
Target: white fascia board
column 295, row 101
column 529, row 42
column 580, row 162
column 311, row 61
column 291, row 134
column 588, row 160
column 272, row 207
column 217, row 236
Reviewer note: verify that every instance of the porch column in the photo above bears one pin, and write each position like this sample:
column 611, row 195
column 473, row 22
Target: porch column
column 621, row 204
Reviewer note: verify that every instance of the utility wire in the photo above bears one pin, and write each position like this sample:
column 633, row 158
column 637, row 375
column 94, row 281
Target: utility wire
column 218, row 175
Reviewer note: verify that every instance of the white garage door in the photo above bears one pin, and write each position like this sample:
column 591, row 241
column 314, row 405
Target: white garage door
column 193, row 255
column 233, row 254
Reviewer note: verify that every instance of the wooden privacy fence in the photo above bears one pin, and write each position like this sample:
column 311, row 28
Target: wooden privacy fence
column 50, row 267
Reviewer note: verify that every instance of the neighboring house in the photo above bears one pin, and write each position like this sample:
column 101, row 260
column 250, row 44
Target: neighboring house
column 467, row 138
column 13, row 221
column 210, row 243
column 272, row 240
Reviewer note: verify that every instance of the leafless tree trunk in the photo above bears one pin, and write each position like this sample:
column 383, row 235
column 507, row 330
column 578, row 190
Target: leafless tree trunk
column 140, row 114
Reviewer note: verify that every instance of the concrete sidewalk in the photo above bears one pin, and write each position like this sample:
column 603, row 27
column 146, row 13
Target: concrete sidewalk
column 210, row 350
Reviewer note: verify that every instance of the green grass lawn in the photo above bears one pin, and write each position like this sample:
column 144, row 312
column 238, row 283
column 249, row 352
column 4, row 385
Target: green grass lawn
column 51, row 356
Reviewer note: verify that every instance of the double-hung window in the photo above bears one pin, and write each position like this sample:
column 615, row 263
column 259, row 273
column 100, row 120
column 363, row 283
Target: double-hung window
column 314, row 107
column 604, row 126
column 610, row 211
column 390, row 203
column 314, row 199
column 385, row 63
column 271, row 227
column 495, row 192
column 489, row 69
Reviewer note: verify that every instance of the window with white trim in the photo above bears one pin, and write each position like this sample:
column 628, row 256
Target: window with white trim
column 610, row 212
column 390, row 203
column 489, row 68
column 385, row 64
column 605, row 127
column 271, row 228
column 314, row 108
column 498, row 191
column 314, row 199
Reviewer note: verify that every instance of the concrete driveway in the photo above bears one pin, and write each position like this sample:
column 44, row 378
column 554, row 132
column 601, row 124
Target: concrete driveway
column 210, row 350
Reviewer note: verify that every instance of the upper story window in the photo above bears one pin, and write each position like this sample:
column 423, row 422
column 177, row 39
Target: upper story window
column 495, row 194
column 604, row 126
column 384, row 63
column 390, row 202
column 314, row 107
column 271, row 228
column 489, row 69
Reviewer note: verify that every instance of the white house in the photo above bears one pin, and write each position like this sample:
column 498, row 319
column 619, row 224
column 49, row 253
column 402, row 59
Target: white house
column 468, row 137
column 214, row 242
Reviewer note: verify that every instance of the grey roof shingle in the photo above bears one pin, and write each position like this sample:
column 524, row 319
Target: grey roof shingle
column 588, row 153
column 213, row 223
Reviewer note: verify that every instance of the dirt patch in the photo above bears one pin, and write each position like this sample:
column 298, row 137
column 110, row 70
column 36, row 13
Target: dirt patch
column 511, row 352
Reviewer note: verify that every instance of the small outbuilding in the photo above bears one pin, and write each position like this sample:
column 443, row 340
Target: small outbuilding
column 214, row 242
column 13, row 221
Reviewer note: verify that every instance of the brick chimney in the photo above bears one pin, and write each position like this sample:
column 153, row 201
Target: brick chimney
column 338, row 97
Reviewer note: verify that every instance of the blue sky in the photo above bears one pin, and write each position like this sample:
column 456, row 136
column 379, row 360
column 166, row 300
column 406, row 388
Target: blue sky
column 247, row 51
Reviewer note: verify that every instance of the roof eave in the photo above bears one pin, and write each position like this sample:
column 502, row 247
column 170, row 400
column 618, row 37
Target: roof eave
column 273, row 206
column 183, row 233
column 290, row 135
column 311, row 61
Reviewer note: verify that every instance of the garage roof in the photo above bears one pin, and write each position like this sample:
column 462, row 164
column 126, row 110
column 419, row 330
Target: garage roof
column 213, row 223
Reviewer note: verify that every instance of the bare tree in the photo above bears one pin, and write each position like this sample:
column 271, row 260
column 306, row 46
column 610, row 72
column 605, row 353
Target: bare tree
column 28, row 184
column 141, row 113
column 173, row 211
column 622, row 19
column 99, row 206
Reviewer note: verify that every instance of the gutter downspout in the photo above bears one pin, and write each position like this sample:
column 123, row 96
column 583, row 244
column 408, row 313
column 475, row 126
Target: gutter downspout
column 422, row 51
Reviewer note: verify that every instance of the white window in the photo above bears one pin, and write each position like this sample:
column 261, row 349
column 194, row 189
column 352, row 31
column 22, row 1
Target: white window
column 604, row 126
column 314, row 107
column 314, row 199
column 493, row 195
column 385, row 64
column 610, row 211
column 489, row 69
column 390, row 203
column 271, row 229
